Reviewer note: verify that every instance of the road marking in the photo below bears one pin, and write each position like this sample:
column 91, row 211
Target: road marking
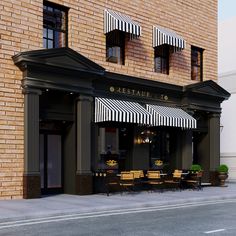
column 51, row 219
column 214, row 231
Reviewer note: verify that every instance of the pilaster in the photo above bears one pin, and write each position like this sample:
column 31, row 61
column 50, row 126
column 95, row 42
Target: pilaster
column 31, row 177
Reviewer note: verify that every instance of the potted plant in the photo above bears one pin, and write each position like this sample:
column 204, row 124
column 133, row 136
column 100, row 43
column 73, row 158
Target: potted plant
column 195, row 168
column 222, row 174
column 195, row 172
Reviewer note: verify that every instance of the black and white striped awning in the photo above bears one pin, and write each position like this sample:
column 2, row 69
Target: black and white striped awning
column 120, row 111
column 165, row 36
column 117, row 21
column 170, row 116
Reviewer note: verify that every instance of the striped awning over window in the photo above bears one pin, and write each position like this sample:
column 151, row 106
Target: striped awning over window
column 120, row 111
column 117, row 21
column 165, row 36
column 170, row 116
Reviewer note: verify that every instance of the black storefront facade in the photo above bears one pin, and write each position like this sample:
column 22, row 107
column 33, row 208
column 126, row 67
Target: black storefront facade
column 64, row 144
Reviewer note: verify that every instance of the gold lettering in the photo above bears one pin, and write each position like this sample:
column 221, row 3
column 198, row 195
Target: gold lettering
column 134, row 92
column 124, row 90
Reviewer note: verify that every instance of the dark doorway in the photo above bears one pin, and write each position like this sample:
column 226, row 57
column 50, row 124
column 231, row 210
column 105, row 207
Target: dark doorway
column 51, row 163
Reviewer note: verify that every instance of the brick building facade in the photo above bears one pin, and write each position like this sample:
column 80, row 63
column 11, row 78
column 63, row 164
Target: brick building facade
column 21, row 31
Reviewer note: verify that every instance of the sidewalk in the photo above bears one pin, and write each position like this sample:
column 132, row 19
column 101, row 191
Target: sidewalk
column 71, row 204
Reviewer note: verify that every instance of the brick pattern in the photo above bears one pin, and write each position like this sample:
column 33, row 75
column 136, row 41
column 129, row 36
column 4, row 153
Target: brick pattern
column 21, row 30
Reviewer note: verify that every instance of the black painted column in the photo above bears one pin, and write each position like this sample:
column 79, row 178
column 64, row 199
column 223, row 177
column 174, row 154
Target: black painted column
column 84, row 183
column 214, row 142
column 187, row 155
column 209, row 148
column 31, row 177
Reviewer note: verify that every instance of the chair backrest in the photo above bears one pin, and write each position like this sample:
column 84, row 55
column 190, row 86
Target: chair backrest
column 178, row 171
column 137, row 173
column 126, row 176
column 177, row 174
column 153, row 174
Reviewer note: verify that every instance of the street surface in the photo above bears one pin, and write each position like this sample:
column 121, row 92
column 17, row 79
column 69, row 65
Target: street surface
column 202, row 218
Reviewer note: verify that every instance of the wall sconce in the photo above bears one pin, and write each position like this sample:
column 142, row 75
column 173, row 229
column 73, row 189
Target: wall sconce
column 221, row 127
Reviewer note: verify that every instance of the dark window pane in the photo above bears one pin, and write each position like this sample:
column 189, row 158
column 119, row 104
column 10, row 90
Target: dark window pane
column 50, row 34
column 50, row 44
column 44, row 43
column 115, row 46
column 158, row 64
column 161, row 60
column 63, row 25
column 55, row 26
column 59, row 39
column 196, row 63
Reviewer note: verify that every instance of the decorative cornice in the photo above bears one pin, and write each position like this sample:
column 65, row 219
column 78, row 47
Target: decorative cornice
column 63, row 58
column 29, row 90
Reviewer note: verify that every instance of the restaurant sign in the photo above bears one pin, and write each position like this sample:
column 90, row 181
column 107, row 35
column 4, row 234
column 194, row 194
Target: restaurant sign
column 138, row 93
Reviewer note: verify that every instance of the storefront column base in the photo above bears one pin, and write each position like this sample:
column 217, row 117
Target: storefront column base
column 31, row 186
column 84, row 184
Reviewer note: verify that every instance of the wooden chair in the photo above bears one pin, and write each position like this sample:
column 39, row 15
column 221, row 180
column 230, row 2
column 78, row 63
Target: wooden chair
column 176, row 179
column 138, row 179
column 195, row 180
column 154, row 179
column 137, row 173
column 112, row 182
column 127, row 181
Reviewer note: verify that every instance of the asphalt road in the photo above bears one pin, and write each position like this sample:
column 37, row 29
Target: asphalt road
column 209, row 218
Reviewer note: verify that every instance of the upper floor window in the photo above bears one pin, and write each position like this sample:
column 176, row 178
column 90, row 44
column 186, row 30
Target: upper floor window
column 116, row 27
column 165, row 41
column 115, row 47
column 161, row 60
column 196, row 63
column 55, row 28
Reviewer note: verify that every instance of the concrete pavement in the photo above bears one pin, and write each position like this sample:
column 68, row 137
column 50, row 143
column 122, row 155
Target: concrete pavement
column 70, row 204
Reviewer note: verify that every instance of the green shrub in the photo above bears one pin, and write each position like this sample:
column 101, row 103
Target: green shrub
column 196, row 168
column 223, row 168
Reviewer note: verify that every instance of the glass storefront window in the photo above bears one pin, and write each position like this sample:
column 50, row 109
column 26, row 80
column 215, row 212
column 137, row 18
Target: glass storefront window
column 160, row 149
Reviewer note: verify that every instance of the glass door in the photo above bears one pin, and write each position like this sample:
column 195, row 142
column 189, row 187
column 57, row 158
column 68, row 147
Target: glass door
column 51, row 163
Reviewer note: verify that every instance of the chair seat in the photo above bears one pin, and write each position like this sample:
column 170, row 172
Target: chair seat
column 126, row 184
column 154, row 182
column 191, row 181
column 172, row 181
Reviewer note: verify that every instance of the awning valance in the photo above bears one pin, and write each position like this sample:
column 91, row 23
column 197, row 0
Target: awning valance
column 170, row 116
column 120, row 111
column 165, row 36
column 117, row 21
